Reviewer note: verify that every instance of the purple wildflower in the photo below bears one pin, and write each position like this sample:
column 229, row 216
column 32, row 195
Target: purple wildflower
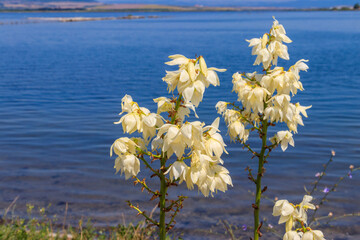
column 244, row 227
column 350, row 175
column 326, row 190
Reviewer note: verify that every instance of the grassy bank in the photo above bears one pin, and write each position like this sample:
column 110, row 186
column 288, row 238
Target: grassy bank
column 45, row 227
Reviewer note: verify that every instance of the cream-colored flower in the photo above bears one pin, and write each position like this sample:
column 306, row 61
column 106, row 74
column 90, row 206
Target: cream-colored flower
column 178, row 170
column 164, row 104
column 256, row 98
column 278, row 31
column 173, row 140
column 286, row 211
column 128, row 164
column 151, row 122
column 302, row 109
column 192, row 78
column 122, row 146
column 284, row 138
column 192, row 134
column 219, row 179
column 304, row 206
column 214, row 143
column 313, row 235
column 291, row 235
column 178, row 59
column 221, row 107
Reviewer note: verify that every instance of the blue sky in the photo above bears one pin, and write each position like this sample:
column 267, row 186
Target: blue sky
column 253, row 3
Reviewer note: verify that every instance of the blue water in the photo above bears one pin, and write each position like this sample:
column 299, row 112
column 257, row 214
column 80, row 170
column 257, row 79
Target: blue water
column 61, row 86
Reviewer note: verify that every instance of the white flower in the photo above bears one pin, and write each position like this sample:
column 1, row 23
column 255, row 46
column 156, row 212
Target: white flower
column 291, row 235
column 214, row 143
column 172, row 79
column 122, row 146
column 127, row 104
column 178, row 170
column 283, row 209
column 278, row 31
column 199, row 168
column 164, row 104
column 150, row 123
column 203, row 66
column 128, row 164
column 219, row 178
column 173, row 140
column 178, row 59
column 285, row 138
column 236, row 129
column 313, row 235
column 221, row 107
column 287, row 213
column 192, row 134
column 304, row 205
column 192, row 78
column 302, row 109
column 157, row 143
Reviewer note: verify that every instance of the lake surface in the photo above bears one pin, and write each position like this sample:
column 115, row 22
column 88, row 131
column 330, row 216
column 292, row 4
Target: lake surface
column 61, row 86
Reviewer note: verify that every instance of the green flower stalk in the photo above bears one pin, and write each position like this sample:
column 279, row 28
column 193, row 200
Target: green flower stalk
column 265, row 101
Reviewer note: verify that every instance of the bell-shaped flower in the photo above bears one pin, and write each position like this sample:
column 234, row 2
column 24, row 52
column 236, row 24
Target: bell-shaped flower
column 199, row 167
column 172, row 79
column 173, row 140
column 122, row 146
column 178, row 59
column 178, row 170
column 221, row 107
column 302, row 109
column 128, row 164
column 277, row 49
column 192, row 78
column 284, row 138
column 236, row 130
column 192, row 134
column 291, row 235
column 313, row 235
column 139, row 142
column 304, row 206
column 278, row 31
column 219, row 178
column 283, row 209
column 214, row 143
column 164, row 104
column 157, row 143
column 127, row 104
column 286, row 211
column 273, row 113
column 151, row 122
column 256, row 99
column 203, row 66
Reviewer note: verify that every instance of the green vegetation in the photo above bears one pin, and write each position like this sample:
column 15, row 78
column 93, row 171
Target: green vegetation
column 45, row 227
column 357, row 6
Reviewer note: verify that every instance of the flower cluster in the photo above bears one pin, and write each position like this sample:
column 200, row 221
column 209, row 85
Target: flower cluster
column 266, row 96
column 192, row 77
column 294, row 215
column 176, row 138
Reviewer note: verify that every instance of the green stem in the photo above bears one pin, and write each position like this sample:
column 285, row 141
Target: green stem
column 163, row 190
column 177, row 105
column 163, row 185
column 258, row 181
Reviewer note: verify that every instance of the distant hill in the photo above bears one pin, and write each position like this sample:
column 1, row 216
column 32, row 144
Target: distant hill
column 41, row 1
column 47, row 4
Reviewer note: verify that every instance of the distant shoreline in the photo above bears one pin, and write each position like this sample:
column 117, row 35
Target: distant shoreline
column 97, row 7
column 153, row 11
